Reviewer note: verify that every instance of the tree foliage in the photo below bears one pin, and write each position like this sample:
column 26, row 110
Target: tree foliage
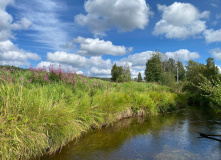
column 126, row 73
column 154, row 68
column 165, row 71
column 212, row 92
column 201, row 77
column 120, row 74
column 139, row 79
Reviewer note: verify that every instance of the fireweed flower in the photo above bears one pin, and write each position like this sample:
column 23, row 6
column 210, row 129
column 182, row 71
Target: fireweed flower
column 46, row 77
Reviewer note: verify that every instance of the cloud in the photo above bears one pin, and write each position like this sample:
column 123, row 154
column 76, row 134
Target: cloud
column 180, row 21
column 94, row 72
column 10, row 54
column 134, row 73
column 68, row 59
column 216, row 53
column 78, row 61
column 212, row 35
column 47, row 27
column 4, row 3
column 214, row 23
column 95, row 66
column 7, row 23
column 66, row 68
column 219, row 68
column 125, row 15
column 214, row 5
column 183, row 54
column 97, row 47
column 24, row 23
column 99, row 62
column 218, row 16
column 137, row 60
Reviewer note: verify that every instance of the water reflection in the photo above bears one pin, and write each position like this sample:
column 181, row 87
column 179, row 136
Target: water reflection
column 169, row 136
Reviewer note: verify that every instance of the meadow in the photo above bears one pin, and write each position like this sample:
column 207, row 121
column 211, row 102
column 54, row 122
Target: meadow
column 41, row 111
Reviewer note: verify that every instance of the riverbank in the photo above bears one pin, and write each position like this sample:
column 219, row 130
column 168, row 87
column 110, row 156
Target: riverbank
column 42, row 111
column 165, row 136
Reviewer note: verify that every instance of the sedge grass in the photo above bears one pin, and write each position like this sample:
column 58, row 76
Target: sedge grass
column 42, row 115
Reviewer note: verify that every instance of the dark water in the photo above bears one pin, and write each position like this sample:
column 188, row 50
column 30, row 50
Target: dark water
column 170, row 136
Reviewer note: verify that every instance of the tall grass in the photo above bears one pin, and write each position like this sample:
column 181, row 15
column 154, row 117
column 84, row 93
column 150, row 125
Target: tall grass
column 42, row 111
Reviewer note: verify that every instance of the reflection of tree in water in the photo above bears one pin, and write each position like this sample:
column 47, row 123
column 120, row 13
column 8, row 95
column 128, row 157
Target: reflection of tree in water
column 112, row 137
column 202, row 119
column 104, row 142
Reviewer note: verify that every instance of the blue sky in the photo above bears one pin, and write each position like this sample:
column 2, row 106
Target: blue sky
column 90, row 36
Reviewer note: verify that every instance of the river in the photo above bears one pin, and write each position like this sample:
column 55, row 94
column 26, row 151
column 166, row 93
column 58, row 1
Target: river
column 169, row 136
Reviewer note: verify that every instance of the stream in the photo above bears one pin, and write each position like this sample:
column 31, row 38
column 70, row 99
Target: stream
column 168, row 136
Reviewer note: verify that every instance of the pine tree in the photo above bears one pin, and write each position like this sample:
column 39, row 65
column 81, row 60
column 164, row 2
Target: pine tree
column 181, row 71
column 139, row 77
column 117, row 73
column 114, row 73
column 154, row 68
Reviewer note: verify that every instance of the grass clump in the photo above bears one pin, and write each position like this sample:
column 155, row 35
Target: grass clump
column 42, row 111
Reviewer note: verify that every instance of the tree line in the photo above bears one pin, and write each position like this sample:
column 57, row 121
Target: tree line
column 200, row 81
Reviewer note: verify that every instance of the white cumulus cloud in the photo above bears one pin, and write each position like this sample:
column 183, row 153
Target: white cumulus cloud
column 94, row 72
column 219, row 68
column 137, row 60
column 78, row 61
column 97, row 47
column 183, row 54
column 66, row 68
column 7, row 23
column 10, row 54
column 180, row 21
column 212, row 35
column 134, row 73
column 93, row 66
column 125, row 15
column 216, row 53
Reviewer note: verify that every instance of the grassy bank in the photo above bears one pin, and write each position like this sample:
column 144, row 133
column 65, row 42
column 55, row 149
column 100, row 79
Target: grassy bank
column 42, row 111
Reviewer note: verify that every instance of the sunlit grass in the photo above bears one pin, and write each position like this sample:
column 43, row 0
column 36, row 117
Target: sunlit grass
column 42, row 111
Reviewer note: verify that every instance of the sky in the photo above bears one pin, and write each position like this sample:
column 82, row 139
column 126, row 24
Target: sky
column 90, row 36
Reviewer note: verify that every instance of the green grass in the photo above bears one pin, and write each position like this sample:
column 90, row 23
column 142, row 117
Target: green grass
column 42, row 116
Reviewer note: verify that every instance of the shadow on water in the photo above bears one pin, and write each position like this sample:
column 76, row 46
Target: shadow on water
column 168, row 136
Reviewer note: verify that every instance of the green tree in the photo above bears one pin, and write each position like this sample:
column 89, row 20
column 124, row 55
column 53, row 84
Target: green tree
column 181, row 71
column 114, row 73
column 211, row 70
column 119, row 74
column 198, row 74
column 126, row 73
column 194, row 70
column 153, row 71
column 120, row 77
column 139, row 79
column 170, row 66
column 212, row 92
column 168, row 79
